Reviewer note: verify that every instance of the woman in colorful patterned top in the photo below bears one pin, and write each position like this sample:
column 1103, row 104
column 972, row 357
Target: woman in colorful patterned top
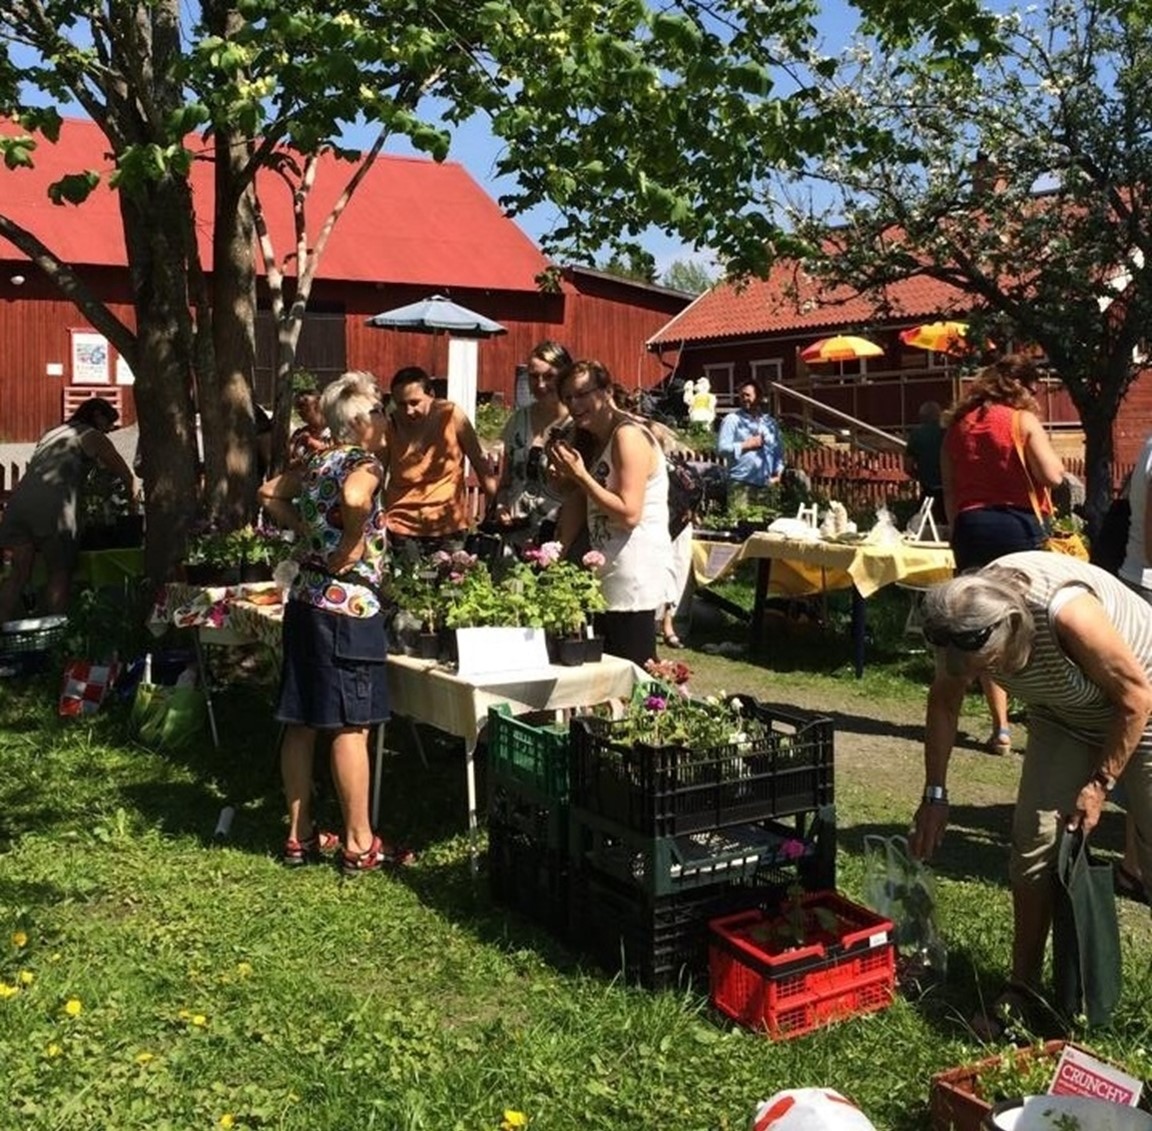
column 335, row 643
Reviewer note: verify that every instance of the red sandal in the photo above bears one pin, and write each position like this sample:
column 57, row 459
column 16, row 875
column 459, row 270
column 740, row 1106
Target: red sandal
column 378, row 856
column 297, row 853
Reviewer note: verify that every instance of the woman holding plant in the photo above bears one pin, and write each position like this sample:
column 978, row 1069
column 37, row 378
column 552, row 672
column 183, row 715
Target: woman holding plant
column 621, row 494
column 335, row 644
column 527, row 500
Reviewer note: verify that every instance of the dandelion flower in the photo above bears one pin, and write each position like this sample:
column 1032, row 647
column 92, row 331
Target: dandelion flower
column 184, row 1014
column 53, row 1050
column 226, row 1120
column 19, row 938
column 73, row 1007
column 513, row 1119
column 27, row 977
column 199, row 1019
column 145, row 1057
column 243, row 969
column 7, row 990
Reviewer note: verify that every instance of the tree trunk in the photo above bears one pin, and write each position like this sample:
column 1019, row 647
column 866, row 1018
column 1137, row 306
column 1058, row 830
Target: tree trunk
column 1097, row 419
column 226, row 400
column 155, row 222
column 229, row 438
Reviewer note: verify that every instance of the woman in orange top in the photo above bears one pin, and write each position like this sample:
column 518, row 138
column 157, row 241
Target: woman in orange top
column 427, row 441
column 988, row 490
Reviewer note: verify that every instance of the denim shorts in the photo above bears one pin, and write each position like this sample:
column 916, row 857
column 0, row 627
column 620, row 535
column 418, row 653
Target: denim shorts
column 983, row 534
column 335, row 671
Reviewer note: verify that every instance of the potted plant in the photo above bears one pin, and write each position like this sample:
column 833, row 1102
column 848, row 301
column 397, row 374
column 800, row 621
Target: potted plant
column 568, row 595
column 107, row 520
column 211, row 558
column 416, row 590
column 961, row 1098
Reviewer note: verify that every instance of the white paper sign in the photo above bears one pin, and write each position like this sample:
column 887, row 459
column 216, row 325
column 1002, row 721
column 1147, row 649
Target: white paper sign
column 493, row 651
column 1079, row 1074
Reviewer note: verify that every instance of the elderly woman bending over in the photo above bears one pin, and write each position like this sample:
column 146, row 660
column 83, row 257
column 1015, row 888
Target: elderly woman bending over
column 335, row 644
column 1075, row 644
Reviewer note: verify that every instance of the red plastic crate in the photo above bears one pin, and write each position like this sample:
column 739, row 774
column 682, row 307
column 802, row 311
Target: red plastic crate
column 847, row 971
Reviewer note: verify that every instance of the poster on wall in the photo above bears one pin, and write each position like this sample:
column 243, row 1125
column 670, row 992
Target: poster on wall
column 89, row 358
column 124, row 374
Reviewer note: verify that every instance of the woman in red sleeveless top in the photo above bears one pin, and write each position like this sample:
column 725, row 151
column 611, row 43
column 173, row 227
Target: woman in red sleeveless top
column 988, row 487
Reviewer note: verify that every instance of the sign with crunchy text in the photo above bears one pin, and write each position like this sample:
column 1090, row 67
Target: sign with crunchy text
column 1079, row 1074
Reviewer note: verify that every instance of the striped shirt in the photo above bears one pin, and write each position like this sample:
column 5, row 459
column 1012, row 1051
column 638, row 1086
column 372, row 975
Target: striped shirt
column 1050, row 683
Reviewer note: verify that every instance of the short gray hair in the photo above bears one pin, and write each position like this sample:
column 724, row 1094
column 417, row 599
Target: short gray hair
column 346, row 399
column 973, row 601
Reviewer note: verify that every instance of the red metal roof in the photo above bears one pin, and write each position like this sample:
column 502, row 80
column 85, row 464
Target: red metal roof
column 791, row 300
column 410, row 221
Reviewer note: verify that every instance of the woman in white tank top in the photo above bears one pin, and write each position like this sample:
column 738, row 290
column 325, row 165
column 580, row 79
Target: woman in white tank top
column 622, row 494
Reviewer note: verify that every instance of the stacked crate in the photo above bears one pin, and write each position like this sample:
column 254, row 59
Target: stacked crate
column 528, row 818
column 661, row 840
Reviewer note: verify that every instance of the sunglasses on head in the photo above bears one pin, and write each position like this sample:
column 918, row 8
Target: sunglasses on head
column 970, row 640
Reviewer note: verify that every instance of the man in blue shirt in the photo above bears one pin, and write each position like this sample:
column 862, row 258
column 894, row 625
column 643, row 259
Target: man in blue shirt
column 750, row 440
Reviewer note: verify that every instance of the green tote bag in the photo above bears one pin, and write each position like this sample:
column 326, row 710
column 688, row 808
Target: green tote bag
column 1085, row 934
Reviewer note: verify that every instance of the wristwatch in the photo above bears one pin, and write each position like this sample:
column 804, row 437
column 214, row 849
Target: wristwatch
column 1104, row 780
column 935, row 795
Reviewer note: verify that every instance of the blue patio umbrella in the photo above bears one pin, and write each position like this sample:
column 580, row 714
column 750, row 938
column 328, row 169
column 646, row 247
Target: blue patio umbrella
column 436, row 315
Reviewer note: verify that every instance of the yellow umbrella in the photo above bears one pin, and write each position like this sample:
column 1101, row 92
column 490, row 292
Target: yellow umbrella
column 843, row 347
column 943, row 337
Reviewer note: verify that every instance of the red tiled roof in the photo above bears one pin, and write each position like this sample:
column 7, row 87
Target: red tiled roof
column 410, row 220
column 790, row 300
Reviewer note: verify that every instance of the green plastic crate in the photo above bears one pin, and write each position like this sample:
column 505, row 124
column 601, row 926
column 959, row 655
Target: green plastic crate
column 534, row 758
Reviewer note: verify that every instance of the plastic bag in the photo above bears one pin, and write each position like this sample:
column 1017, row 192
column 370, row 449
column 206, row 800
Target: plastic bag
column 904, row 889
column 809, row 1109
column 169, row 718
column 85, row 686
column 884, row 531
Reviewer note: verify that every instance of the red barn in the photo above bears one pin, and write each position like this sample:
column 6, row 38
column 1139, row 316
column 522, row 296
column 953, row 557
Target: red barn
column 412, row 229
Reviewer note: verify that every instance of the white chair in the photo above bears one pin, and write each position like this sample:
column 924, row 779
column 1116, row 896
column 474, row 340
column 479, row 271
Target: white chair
column 923, row 524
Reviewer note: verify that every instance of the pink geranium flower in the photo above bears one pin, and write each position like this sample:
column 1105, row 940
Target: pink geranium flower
column 593, row 560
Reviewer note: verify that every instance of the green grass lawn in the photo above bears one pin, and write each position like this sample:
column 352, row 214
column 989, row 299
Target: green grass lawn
column 154, row 979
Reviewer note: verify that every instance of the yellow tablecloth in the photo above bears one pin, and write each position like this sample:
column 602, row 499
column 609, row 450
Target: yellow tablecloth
column 801, row 568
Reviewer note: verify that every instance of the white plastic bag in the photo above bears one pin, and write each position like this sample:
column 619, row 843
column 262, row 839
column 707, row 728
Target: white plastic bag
column 809, row 1109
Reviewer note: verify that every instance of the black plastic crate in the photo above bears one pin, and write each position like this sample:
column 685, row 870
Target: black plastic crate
column 528, row 878
column 662, row 942
column 669, row 791
column 37, row 634
column 544, row 822
column 771, row 851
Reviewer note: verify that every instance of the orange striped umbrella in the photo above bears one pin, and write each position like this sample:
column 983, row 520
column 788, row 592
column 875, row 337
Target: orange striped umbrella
column 843, row 347
column 943, row 337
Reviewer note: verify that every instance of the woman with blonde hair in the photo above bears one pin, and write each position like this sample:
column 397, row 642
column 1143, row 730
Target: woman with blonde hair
column 996, row 460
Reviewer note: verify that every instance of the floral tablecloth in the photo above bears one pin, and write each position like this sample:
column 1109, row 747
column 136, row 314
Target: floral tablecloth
column 246, row 612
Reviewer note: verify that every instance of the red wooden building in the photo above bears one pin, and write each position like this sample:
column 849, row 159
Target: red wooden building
column 730, row 334
column 413, row 228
